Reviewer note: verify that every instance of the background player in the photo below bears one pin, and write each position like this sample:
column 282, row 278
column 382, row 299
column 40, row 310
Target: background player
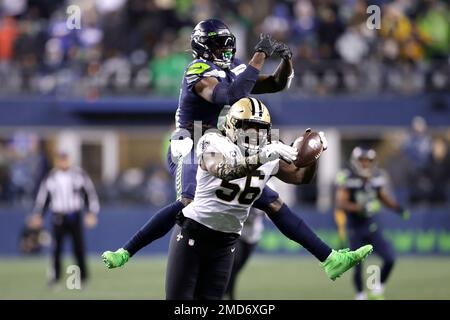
column 359, row 192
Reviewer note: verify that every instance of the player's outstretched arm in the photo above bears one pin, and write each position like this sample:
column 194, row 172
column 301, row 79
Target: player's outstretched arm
column 213, row 91
column 281, row 78
column 216, row 164
column 289, row 173
column 392, row 204
column 295, row 173
column 217, row 92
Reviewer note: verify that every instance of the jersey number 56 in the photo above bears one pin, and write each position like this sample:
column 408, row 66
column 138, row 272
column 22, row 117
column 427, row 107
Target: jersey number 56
column 230, row 190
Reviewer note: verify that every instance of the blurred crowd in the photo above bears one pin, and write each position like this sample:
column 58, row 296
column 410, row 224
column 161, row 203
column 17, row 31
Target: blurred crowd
column 418, row 165
column 142, row 46
column 426, row 165
column 23, row 165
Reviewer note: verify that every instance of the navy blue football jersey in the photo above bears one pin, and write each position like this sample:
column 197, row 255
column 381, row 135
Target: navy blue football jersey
column 192, row 107
column 362, row 191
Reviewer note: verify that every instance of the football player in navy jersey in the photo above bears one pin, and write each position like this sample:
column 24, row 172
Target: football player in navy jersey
column 213, row 81
column 361, row 189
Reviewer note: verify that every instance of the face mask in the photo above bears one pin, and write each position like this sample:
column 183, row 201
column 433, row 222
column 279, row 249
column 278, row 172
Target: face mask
column 251, row 141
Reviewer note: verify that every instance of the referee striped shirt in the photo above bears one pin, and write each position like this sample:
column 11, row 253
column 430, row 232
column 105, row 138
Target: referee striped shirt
column 67, row 191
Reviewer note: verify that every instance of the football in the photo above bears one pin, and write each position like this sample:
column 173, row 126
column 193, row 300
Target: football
column 309, row 148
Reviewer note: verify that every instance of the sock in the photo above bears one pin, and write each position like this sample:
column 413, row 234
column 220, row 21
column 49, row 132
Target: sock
column 293, row 227
column 361, row 296
column 357, row 278
column 158, row 226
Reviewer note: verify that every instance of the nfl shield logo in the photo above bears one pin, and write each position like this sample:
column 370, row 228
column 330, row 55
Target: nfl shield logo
column 191, row 242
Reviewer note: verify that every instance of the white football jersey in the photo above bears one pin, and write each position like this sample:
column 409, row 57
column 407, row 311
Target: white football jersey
column 224, row 205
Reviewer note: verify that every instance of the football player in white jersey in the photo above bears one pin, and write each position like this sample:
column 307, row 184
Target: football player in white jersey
column 234, row 167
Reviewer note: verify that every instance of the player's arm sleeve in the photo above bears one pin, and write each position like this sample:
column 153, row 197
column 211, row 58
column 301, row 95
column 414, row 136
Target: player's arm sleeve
column 222, row 93
column 281, row 79
column 42, row 199
column 291, row 174
column 242, row 86
column 92, row 202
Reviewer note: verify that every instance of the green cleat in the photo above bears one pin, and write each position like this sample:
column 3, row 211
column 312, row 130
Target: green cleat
column 375, row 296
column 115, row 259
column 340, row 261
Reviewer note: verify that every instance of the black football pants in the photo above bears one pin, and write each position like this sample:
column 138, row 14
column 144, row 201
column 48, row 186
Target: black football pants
column 72, row 225
column 243, row 252
column 199, row 263
column 362, row 236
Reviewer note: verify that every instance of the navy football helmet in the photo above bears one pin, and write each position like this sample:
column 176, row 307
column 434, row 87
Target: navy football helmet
column 212, row 40
column 363, row 161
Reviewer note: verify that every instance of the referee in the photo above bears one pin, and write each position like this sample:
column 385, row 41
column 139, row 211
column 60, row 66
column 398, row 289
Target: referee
column 67, row 191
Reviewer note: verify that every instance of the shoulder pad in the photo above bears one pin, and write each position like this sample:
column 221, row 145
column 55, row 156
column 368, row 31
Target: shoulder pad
column 209, row 142
column 380, row 178
column 197, row 67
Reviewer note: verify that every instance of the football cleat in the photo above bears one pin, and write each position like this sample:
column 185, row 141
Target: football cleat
column 340, row 261
column 377, row 293
column 373, row 296
column 115, row 259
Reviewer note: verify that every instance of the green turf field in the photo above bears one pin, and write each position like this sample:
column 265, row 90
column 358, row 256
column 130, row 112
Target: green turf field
column 263, row 278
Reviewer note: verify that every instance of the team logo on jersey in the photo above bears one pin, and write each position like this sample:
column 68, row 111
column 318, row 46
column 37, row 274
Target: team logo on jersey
column 179, row 236
column 204, row 145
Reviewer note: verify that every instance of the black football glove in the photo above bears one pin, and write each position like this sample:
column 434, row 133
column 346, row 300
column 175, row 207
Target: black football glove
column 283, row 51
column 266, row 44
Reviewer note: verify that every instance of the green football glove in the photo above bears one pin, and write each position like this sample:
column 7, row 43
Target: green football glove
column 404, row 213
